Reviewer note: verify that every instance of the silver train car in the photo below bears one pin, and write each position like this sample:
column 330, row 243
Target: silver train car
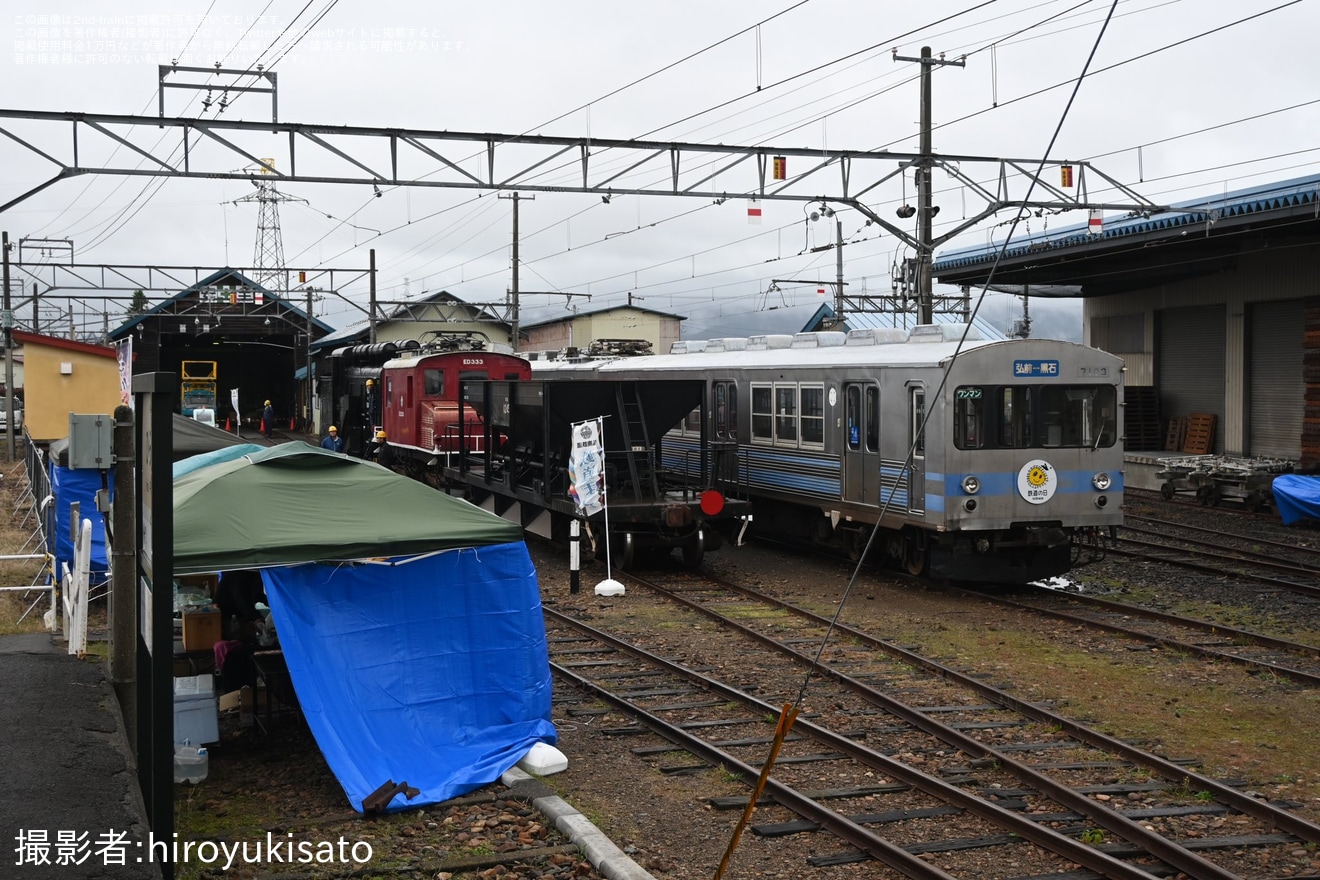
column 955, row 457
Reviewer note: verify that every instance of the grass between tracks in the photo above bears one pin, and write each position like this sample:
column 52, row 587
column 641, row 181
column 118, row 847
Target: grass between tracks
column 1238, row 726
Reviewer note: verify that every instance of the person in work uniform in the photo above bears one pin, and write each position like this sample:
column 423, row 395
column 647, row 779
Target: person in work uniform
column 268, row 421
column 382, row 453
column 333, row 441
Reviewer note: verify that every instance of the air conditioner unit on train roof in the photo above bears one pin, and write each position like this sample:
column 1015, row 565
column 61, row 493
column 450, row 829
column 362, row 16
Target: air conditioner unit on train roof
column 770, row 340
column 876, row 336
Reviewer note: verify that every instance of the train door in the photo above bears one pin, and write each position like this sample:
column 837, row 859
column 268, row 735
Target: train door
column 861, row 443
column 917, row 443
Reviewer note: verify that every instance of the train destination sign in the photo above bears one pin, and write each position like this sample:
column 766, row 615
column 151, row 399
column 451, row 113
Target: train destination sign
column 1035, row 368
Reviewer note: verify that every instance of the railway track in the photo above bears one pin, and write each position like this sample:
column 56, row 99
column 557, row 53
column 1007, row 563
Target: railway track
column 931, row 771
column 1262, row 654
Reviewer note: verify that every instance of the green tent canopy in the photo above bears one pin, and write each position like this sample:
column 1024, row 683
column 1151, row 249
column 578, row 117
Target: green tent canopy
column 296, row 503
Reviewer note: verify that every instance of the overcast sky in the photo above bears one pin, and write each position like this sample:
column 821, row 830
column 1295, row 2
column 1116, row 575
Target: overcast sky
column 1185, row 98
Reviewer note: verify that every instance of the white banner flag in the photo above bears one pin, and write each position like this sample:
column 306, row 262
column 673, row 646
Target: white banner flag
column 586, row 466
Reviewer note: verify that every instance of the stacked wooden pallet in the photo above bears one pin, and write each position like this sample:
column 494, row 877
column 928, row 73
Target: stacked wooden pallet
column 1200, row 439
column 1311, row 376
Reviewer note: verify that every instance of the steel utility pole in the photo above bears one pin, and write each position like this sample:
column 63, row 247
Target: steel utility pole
column 926, row 212
column 8, row 320
column 513, row 292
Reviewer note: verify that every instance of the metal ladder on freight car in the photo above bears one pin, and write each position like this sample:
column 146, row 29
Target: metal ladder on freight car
column 633, row 422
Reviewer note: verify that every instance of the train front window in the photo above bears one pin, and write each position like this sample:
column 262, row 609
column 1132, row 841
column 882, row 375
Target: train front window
column 433, row 383
column 1078, row 415
column 969, row 417
column 1035, row 416
column 1015, row 417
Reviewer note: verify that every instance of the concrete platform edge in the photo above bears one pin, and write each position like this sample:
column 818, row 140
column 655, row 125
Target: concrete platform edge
column 602, row 852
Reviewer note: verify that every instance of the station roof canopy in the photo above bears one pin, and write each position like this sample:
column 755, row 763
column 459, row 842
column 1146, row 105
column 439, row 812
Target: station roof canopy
column 1200, row 237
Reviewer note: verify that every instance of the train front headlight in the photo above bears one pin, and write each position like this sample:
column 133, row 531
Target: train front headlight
column 1101, row 481
column 971, row 484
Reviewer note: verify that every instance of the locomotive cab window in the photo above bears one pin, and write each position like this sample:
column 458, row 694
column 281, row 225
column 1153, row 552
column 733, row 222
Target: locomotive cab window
column 433, row 383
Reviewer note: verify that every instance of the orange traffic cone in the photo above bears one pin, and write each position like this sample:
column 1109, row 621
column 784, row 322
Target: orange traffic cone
column 229, row 424
column 292, row 419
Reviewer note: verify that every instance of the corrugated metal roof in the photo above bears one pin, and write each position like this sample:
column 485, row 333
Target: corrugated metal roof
column 1196, row 212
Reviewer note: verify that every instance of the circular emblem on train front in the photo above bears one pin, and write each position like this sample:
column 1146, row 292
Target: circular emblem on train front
column 1036, row 481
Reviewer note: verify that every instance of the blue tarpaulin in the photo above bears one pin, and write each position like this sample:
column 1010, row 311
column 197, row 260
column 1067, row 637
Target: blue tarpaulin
column 432, row 671
column 1297, row 497
column 69, row 485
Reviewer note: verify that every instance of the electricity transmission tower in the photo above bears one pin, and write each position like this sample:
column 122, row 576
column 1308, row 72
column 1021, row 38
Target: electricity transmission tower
column 269, row 254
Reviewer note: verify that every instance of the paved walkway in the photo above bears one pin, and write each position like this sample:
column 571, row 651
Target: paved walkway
column 66, row 770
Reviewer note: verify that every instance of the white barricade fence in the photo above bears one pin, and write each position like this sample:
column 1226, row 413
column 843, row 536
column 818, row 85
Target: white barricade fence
column 75, row 591
column 50, row 587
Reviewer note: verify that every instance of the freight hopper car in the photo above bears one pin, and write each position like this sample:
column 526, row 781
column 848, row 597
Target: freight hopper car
column 977, row 460
column 516, row 464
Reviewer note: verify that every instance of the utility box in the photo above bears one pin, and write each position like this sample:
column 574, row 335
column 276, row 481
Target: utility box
column 91, row 442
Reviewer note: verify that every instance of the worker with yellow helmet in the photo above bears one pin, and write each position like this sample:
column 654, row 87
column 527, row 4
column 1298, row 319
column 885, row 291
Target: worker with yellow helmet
column 382, row 453
column 333, row 441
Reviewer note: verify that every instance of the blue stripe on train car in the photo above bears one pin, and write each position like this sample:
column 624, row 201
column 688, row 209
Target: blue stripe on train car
column 1066, row 483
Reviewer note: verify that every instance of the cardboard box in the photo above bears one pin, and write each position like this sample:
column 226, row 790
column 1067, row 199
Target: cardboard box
column 201, row 630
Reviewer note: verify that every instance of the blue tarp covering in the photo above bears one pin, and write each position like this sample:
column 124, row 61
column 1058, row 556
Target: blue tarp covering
column 432, row 671
column 69, row 485
column 1297, row 497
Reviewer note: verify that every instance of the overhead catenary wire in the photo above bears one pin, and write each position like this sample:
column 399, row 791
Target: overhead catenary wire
column 939, row 390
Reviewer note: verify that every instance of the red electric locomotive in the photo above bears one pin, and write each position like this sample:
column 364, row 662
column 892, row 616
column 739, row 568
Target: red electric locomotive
column 420, row 412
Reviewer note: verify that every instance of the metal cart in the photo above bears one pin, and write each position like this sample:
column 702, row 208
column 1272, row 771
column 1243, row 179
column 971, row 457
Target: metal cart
column 1214, row 478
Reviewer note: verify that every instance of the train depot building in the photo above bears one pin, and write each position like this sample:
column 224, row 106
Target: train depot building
column 239, row 333
column 1214, row 307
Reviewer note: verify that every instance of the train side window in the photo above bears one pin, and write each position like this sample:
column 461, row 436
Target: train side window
column 692, row 422
column 969, row 417
column 872, row 419
column 852, row 414
column 813, row 415
column 1015, row 417
column 786, row 414
column 917, row 436
column 763, row 413
column 433, row 383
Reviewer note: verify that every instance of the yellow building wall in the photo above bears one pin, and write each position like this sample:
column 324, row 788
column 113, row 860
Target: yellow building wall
column 91, row 386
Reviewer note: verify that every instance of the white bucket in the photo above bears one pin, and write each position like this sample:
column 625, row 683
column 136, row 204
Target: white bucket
column 190, row 763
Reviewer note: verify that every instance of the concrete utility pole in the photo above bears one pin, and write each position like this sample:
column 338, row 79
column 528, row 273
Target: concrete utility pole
column 371, row 310
column 926, row 212
column 513, row 292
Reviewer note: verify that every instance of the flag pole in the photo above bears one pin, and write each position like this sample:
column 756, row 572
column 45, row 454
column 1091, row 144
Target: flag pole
column 609, row 586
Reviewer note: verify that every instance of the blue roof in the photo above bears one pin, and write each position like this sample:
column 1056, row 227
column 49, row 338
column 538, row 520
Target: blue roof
column 1199, row 211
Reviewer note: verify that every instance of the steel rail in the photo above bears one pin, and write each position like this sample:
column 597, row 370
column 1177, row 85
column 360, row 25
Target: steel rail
column 1284, row 820
column 1047, row 838
column 1161, row 847
column 1163, row 641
